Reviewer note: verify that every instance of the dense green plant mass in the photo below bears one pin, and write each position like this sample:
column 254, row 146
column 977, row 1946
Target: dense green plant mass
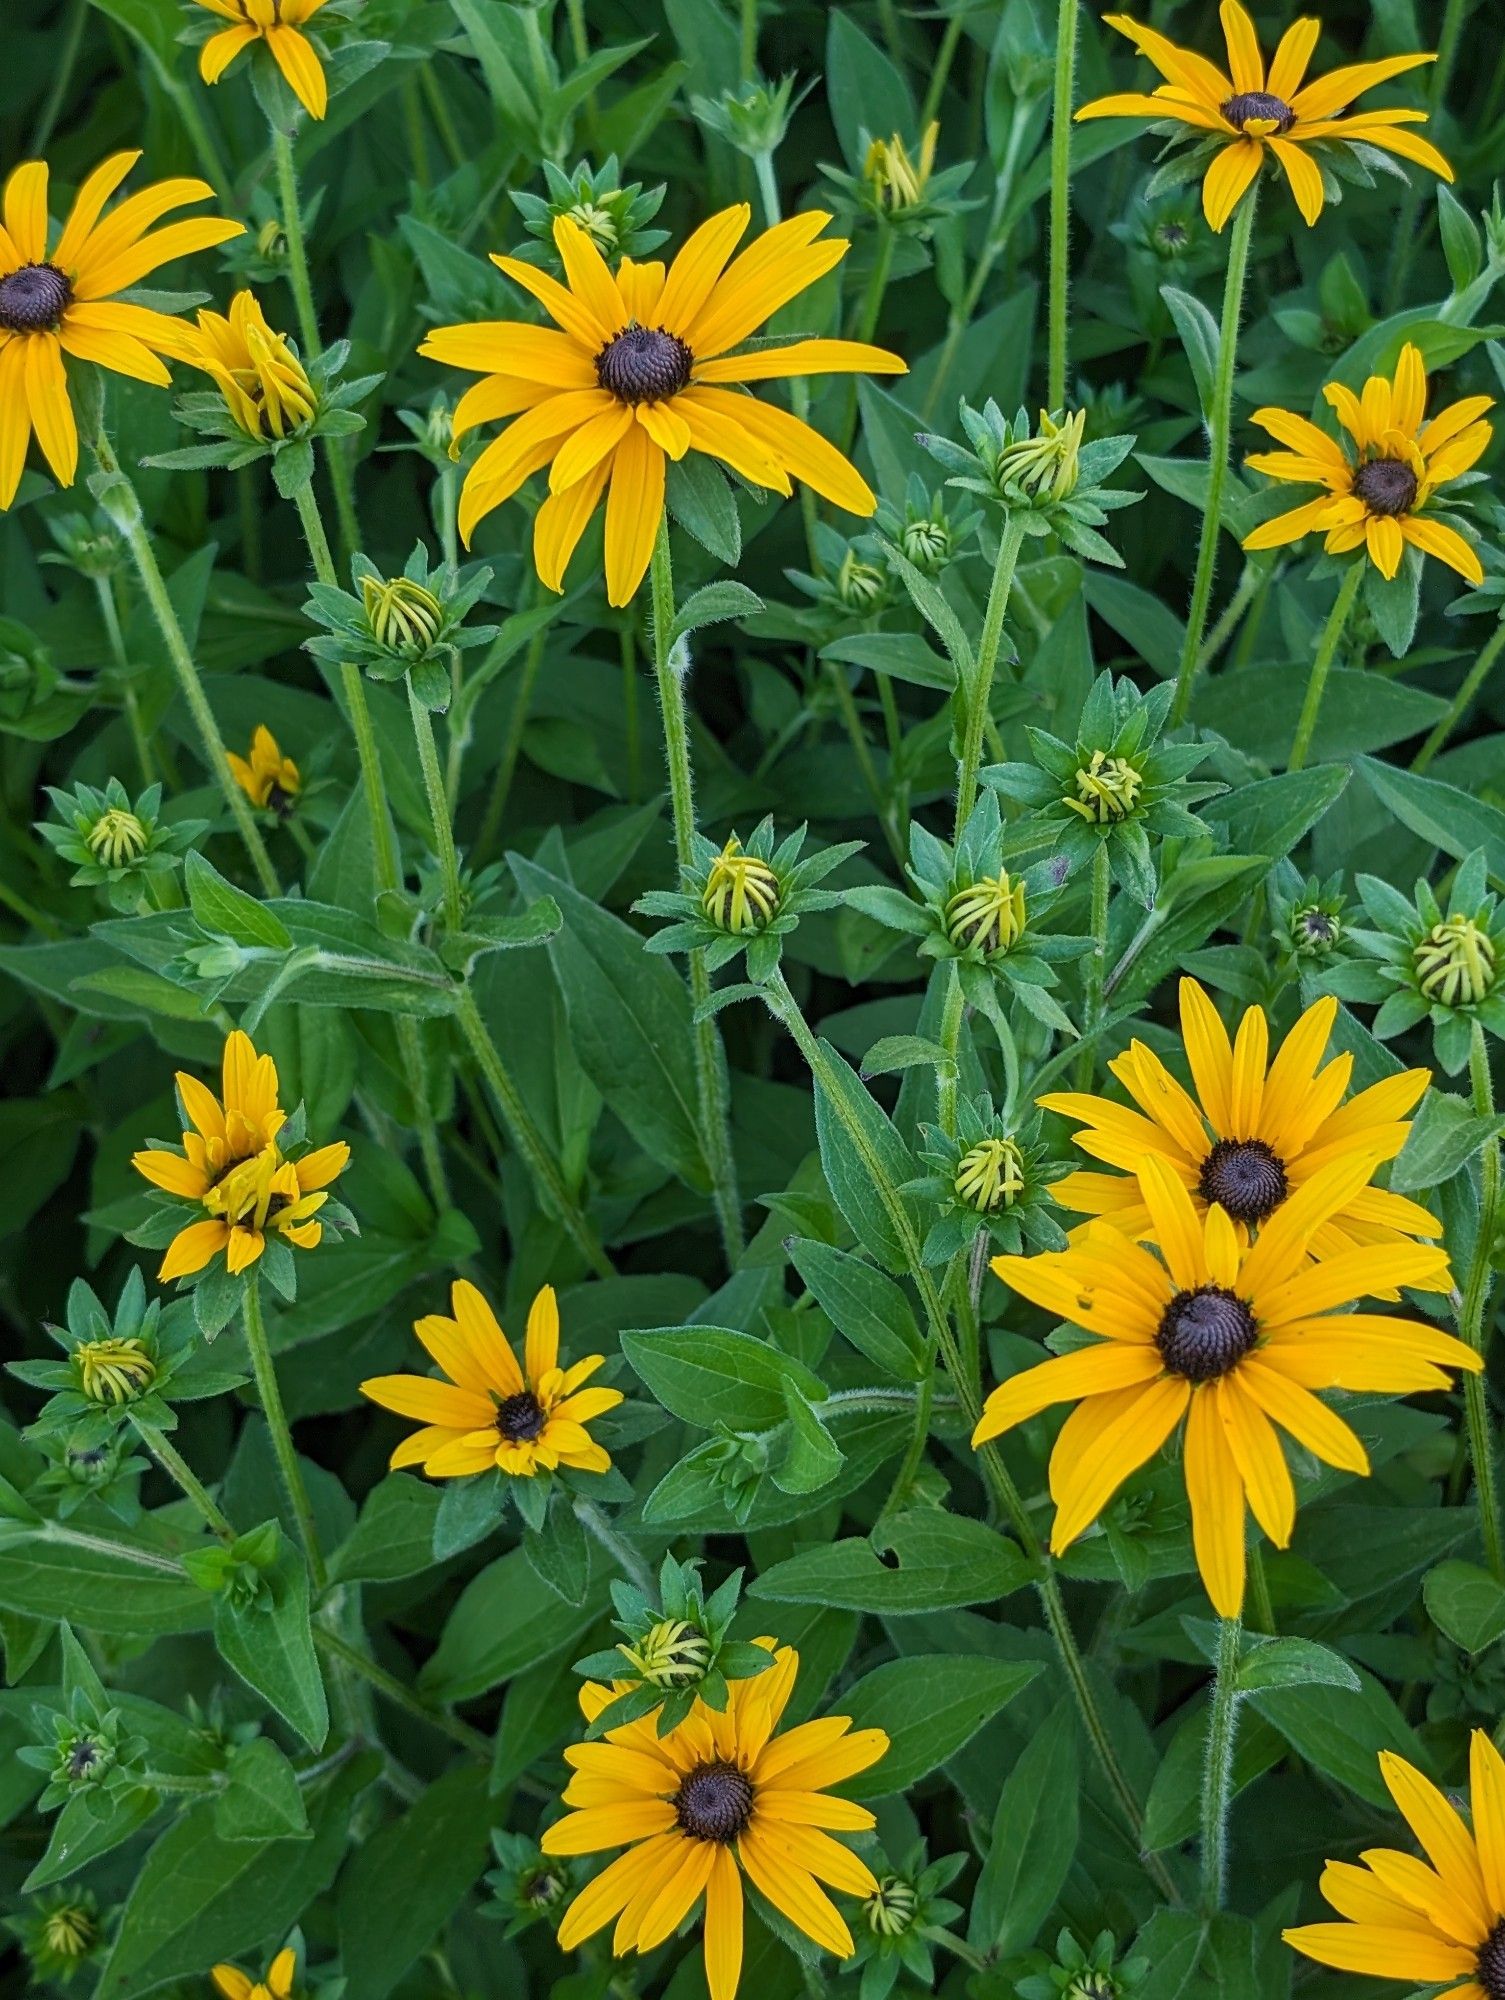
column 750, row 980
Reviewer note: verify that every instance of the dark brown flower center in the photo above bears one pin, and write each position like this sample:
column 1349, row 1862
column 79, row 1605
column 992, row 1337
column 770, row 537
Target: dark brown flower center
column 714, row 1802
column 644, row 364
column 279, row 801
column 1205, row 1333
column 1386, row 486
column 1492, row 1962
column 1248, row 107
column 521, row 1418
column 1244, row 1178
column 34, row 299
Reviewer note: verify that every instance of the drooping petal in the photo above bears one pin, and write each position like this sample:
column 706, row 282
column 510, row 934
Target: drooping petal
column 1216, row 1493
column 634, row 509
column 1228, row 179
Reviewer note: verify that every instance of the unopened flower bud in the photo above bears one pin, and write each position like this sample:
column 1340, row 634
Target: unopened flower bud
column 404, row 616
column 671, row 1654
column 890, row 1910
column 117, row 838
column 859, row 585
column 1108, row 789
column 114, row 1371
column 1455, row 962
column 988, row 916
column 990, row 1176
column 741, row 892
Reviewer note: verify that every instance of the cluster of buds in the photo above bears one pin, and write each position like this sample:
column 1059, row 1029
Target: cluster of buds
column 118, row 844
column 987, row 1184
column 240, row 1571
column 615, row 218
column 88, row 544
column 744, row 899
column 527, row 1885
column 754, row 119
column 672, row 1652
column 1048, row 479
column 397, row 626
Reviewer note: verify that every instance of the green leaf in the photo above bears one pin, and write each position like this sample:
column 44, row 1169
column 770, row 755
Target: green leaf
column 506, row 1619
column 1200, row 337
column 261, row 1800
column 711, row 1375
column 869, row 98
column 813, row 1458
column 1258, row 709
column 941, row 1560
column 560, row 1554
column 1034, row 1841
column 269, row 1643
column 931, row 1706
column 225, row 911
column 1443, row 1139
column 1288, row 1663
column 1441, row 814
column 864, row 1159
column 498, row 44
column 699, row 498
column 84, row 1830
column 1342, row 1732
column 904, row 656
column 1271, row 815
column 1466, row 1603
column 716, row 604
column 405, row 1882
column 106, row 1583
column 865, row 1306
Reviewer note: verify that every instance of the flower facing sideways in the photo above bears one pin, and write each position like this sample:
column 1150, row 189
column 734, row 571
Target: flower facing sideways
column 1435, row 1922
column 1234, row 1340
column 489, row 1411
column 639, row 368
column 264, row 384
column 1253, row 113
column 278, row 1984
column 1381, row 487
column 267, row 778
column 61, row 301
column 280, row 24
column 721, row 1795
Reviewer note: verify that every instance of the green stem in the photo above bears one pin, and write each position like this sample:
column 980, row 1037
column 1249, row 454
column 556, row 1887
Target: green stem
column 1217, row 1771
column 1220, row 420
column 548, row 1176
column 124, row 508
column 1060, row 199
column 111, row 617
column 1097, row 964
column 862, row 751
column 994, row 244
column 63, row 60
column 177, row 1467
column 940, row 75
column 868, row 316
column 747, row 42
column 1472, row 1320
column 401, row 1696
column 1477, row 675
column 951, row 1033
column 512, row 743
column 288, row 1465
column 1406, row 231
column 1327, row 649
column 977, row 694
column 671, row 664
column 438, row 798
column 1259, row 1592
column 623, row 1554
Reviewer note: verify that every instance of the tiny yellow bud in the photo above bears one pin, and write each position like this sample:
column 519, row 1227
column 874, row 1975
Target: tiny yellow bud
column 1047, row 466
column 404, row 616
column 741, row 892
column 1107, row 789
column 117, row 838
column 70, row 1931
column 896, row 179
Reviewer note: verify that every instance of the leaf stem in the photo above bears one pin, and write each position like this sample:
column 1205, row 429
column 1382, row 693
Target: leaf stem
column 976, row 697
column 1217, row 1770
column 177, row 1467
column 1327, row 648
column 623, row 1554
column 1474, row 680
column 1060, row 199
column 288, row 1465
column 401, row 1696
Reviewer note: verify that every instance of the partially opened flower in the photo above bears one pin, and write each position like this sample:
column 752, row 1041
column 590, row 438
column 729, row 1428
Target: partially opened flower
column 1438, row 1922
column 264, row 384
column 1231, row 1339
column 489, row 1411
column 1382, row 488
column 279, row 24
column 62, row 301
column 641, row 367
column 268, row 778
column 277, row 1985
column 719, row 1796
column 1251, row 113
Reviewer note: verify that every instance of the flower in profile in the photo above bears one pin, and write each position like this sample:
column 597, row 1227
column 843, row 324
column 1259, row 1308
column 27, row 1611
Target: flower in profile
column 1440, row 1921
column 1255, row 1132
column 489, row 1411
column 277, row 1985
column 1380, row 489
column 721, row 1795
column 896, row 180
column 264, row 384
column 267, row 778
column 1251, row 114
column 1231, row 1338
column 234, row 1173
column 62, row 301
column 641, row 367
column 279, row 24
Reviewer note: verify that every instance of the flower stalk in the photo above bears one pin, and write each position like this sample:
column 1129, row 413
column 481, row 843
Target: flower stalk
column 1458, row 707
column 977, row 696
column 1060, row 199
column 1217, row 1772
column 1096, row 966
column 1473, row 1325
column 294, row 1485
column 1327, row 647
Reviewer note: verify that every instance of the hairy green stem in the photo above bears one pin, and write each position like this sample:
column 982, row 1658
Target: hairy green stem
column 401, row 1696
column 1220, row 419
column 1327, row 648
column 851, row 718
column 1217, row 1769
column 671, row 666
column 1473, row 1324
column 110, row 615
column 177, row 1468
column 1474, row 680
column 940, row 74
column 1097, row 964
column 1060, row 199
column 632, row 1565
column 294, row 1485
column 946, row 1076
column 1403, row 243
column 995, row 242
column 976, row 696
column 438, row 798
column 512, row 743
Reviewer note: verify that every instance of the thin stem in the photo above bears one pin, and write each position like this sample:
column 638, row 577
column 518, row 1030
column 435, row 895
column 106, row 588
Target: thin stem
column 1406, row 231
column 671, row 662
column 177, row 1467
column 1259, row 1592
column 399, row 1695
column 124, row 508
column 747, row 42
column 64, row 57
column 622, row 1553
column 512, row 743
column 438, row 798
column 1060, row 198
column 940, row 75
column 868, row 315
column 951, row 1033
column 1096, row 966
column 110, row 615
column 1327, row 648
column 1219, row 423
column 862, row 751
column 288, row 1464
column 548, row 1176
column 1477, row 675
column 1217, row 1771
column 1473, row 1325
column 978, row 693
column 994, row 245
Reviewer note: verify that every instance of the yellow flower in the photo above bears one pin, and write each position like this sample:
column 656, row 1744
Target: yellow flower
column 267, row 778
column 898, row 181
column 1234, row 1339
column 489, row 1411
column 1258, row 112
column 278, row 23
column 277, row 1985
column 1377, row 491
column 719, row 1792
column 639, row 368
column 1254, row 1134
column 60, row 302
column 1427, row 1922
column 264, row 384
column 230, row 1168
column 1108, row 789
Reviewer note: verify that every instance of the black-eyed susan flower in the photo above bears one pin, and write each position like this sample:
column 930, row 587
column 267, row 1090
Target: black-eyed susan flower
column 61, row 301
column 640, row 367
column 721, row 1795
column 1440, row 1921
column 277, row 1984
column 1381, row 490
column 265, row 386
column 489, row 1410
column 1231, row 1339
column 1250, row 113
column 269, row 779
column 233, row 1172
column 1256, row 1131
column 279, row 24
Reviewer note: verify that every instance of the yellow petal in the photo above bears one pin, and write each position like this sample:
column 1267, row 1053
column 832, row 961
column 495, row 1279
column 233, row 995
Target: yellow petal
column 1216, row 1494
column 634, row 509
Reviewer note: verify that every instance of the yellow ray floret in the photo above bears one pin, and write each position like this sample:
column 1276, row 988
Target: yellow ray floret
column 264, row 384
column 1230, row 1338
column 1262, row 113
column 278, row 1984
column 267, row 778
column 59, row 301
column 277, row 23
column 1380, row 485
column 639, row 368
column 721, row 1796
column 489, row 1411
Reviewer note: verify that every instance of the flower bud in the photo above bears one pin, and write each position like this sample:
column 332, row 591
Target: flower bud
column 890, row 1910
column 742, row 892
column 1046, row 467
column 859, row 585
column 1315, row 931
column 990, row 1176
column 117, row 838
column 114, row 1371
column 1455, row 962
column 404, row 616
column 896, row 181
column 988, row 916
column 598, row 222
column 1108, row 789
column 670, row 1654
column 927, row 543
column 70, row 1931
